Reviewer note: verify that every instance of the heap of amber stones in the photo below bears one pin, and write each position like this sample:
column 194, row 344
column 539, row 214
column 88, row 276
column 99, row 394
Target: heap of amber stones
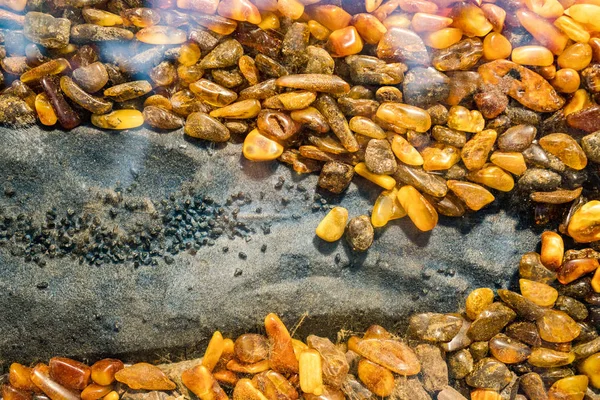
column 541, row 344
column 441, row 103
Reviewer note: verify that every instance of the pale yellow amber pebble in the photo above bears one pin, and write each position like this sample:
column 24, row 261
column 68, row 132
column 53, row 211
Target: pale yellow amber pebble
column 439, row 157
column 512, row 162
column 461, row 119
column 119, row 119
column 44, row 110
column 406, row 152
column 260, row 148
column 101, row 17
column 545, row 8
column 111, row 396
column 158, row 34
column 290, row 8
column 576, row 56
column 404, row 116
column 485, row 394
column 573, row 29
column 387, row 208
column 299, row 347
column 586, row 14
column 420, row 211
column 496, row 46
column 494, row 177
column 311, row 372
column 189, row 54
column 565, row 148
column 470, row 19
column 270, row 20
column 477, row 301
column 213, row 351
column 397, row 20
column 385, row 181
column 475, row 197
column 331, row 228
column 475, row 152
column 443, row 38
column 538, row 292
column 538, row 56
column 569, row 388
column 366, row 127
column 369, row 27
column 240, row 110
column 591, row 367
column 423, row 22
column 239, row 10
column 584, row 225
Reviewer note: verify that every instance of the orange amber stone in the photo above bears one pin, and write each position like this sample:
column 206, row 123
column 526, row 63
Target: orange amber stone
column 538, row 292
column 485, row 394
column 19, row 376
column 508, row 350
column 475, row 197
column 565, row 148
column 494, row 177
column 574, row 269
column 201, row 382
column 270, row 20
column 496, row 15
column 258, row 147
column 70, row 373
column 245, row 390
column 470, row 19
column 577, row 56
column 226, row 377
column 477, row 301
column 566, row 80
column 553, row 250
column 239, row 10
column 254, row 368
column 586, row 14
column 543, row 31
column 590, row 367
column 371, row 5
column 423, row 22
column 330, row 16
column 369, row 27
column 513, row 162
column 377, row 379
column 344, row 42
column 439, row 157
column 545, row 8
column 275, row 386
column 443, row 38
column 475, row 152
column 573, row 29
column 158, row 34
column 189, row 54
column 213, row 351
column 596, row 281
column 419, row 210
column 557, row 327
column 290, row 8
column 580, row 100
column 144, row 376
column 569, row 388
column 404, row 116
column 283, row 359
column 532, row 55
column 10, row 393
column 103, row 371
column 95, row 391
column 496, row 46
column 40, row 376
column 389, row 353
column 406, row 152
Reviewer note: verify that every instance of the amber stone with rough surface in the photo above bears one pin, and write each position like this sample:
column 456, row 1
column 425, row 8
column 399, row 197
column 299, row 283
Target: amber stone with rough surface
column 475, row 197
column 282, row 356
column 391, row 354
column 476, row 151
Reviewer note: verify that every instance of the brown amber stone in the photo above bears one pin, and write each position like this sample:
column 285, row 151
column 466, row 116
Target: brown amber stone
column 574, row 269
column 334, row 364
column 507, row 350
column 403, row 45
column 376, row 378
column 538, row 292
column 494, row 177
column 144, row 376
column 40, row 376
column 70, row 373
column 569, row 388
column 95, row 391
column 391, row 354
column 496, row 46
column 212, row 93
column 418, row 209
column 11, row 393
column 474, row 196
column 282, row 356
column 553, row 249
column 201, row 382
column 490, row 321
column 557, row 327
column 344, row 42
column 19, row 376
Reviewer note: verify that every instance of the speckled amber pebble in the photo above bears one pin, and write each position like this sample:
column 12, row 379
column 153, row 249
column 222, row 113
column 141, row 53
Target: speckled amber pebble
column 584, row 225
column 538, row 292
column 144, row 376
column 476, row 151
column 477, row 301
column 569, row 388
column 463, row 119
column 260, row 148
column 557, row 327
column 565, row 148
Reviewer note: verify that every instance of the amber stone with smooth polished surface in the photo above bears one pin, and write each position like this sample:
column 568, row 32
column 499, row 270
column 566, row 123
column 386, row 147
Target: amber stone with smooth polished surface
column 70, row 373
column 420, row 211
column 282, row 358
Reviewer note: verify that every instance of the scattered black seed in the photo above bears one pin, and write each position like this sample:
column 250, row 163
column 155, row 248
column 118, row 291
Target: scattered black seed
column 242, row 255
column 237, row 272
column 263, row 248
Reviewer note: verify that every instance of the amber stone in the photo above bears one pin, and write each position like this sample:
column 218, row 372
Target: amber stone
column 387, row 208
column 532, row 55
column 547, row 358
column 376, row 378
column 391, row 354
column 144, row 376
column 405, row 116
column 470, row 19
column 330, row 16
column 591, row 367
column 494, row 177
column 477, row 301
column 442, row 39
column 566, row 80
column 476, row 151
column 344, row 42
column 254, row 368
column 574, row 269
column 543, row 31
column 569, row 388
column 40, row 376
column 420, row 211
column 95, row 391
column 439, row 157
column 370, row 28
column 531, row 267
column 70, row 373
column 103, row 371
column 475, row 197
column 251, row 348
column 399, row 44
column 424, row 22
column 557, row 327
column 334, row 365
column 282, row 356
column 275, row 386
column 12, row 393
column 489, row 373
column 19, row 377
column 513, row 162
column 258, row 147
column 201, row 382
column 490, row 321
column 205, row 6
column 239, row 10
column 507, row 350
column 52, row 67
column 434, row 327
column 553, row 249
column 538, row 292
column 565, row 148
column 484, row 394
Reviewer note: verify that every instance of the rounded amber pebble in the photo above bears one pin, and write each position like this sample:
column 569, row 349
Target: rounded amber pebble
column 44, row 110
column 260, row 148
column 591, row 367
column 532, row 55
column 344, row 42
column 565, row 148
column 477, row 301
column 443, row 38
column 577, row 56
column 405, row 116
column 496, row 46
column 557, row 327
column 569, row 388
column 538, row 292
column 386, row 208
column 331, row 228
column 494, row 177
column 566, row 80
column 119, row 120
column 159, row 34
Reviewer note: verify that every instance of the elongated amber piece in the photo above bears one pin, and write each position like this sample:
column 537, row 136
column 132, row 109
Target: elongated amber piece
column 596, row 281
column 226, row 377
column 119, row 120
column 385, row 181
column 546, row 358
column 442, row 38
column 44, row 110
column 213, row 351
column 577, row 56
column 475, row 197
column 101, row 17
column 405, row 116
column 423, row 22
column 565, row 148
column 158, row 34
column 376, row 378
column 366, row 127
column 311, row 372
column 387, row 208
column 543, row 30
column 586, row 14
column 569, row 388
column 538, row 292
column 574, row 269
column 553, row 249
column 258, row 147
column 573, row 29
column 389, row 353
column 396, row 20
column 67, row 117
column 52, row 67
column 330, row 16
column 254, row 368
column 545, row 8
column 82, row 98
column 344, row 42
column 406, row 152
column 470, row 19
column 95, row 391
column 315, row 83
column 282, row 358
column 201, row 382
column 40, row 376
column 494, row 177
column 212, row 93
column 19, row 376
column 12, row 393
column 240, row 110
column 144, row 376
column 332, row 226
column 418, row 209
column 532, row 55
column 239, row 10
column 291, row 100
column 496, row 46
column 508, row 350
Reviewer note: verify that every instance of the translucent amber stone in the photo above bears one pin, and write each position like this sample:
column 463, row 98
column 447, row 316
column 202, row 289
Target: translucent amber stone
column 226, row 377
column 406, row 152
column 260, row 148
column 477, row 301
column 161, row 35
column 311, row 372
column 442, row 38
column 366, row 127
column 240, row 110
column 205, row 6
column 495, row 14
column 245, row 390
column 254, row 368
column 405, row 116
column 143, row 375
column 580, row 100
column 586, row 14
column 344, row 42
column 251, row 348
column 119, row 119
column 157, row 100
column 439, row 157
column 532, row 55
column 574, row 269
column 569, row 388
column 596, row 281
column 212, row 93
column 290, row 8
column 40, row 376
column 282, row 358
column 376, row 378
column 475, row 197
column 70, row 373
column 385, row 181
column 396, row 20
column 19, row 377
column 11, row 393
column 577, row 56
column 201, row 382
column 319, row 31
column 566, row 80
column 508, row 350
column 423, row 22
column 299, row 347
column 239, row 10
column 475, row 152
column 485, row 394
column 213, row 351
column 389, row 353
column 538, row 292
column 557, row 327
column 419, row 210
column 44, row 110
column 553, row 249
column 547, row 358
column 101, row 17
column 512, row 162
column 496, row 46
column 591, row 367
column 330, row 16
column 573, row 29
column 494, row 177
column 371, row 5
column 545, row 8
column 112, row 396
column 189, row 54
column 565, row 148
column 275, row 386
column 543, row 31
column 95, row 392
column 270, row 20
column 470, row 19
column 387, row 208
column 369, row 27
column 52, row 67
column 461, row 119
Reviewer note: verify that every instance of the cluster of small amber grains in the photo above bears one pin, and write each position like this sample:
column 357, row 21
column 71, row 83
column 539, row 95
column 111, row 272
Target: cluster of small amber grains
column 440, row 103
column 541, row 344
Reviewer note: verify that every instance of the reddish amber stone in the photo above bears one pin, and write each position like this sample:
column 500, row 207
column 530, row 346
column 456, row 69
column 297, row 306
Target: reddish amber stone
column 543, row 30
column 95, row 392
column 344, row 42
column 369, row 27
column 574, row 269
column 19, row 377
column 70, row 373
column 40, row 376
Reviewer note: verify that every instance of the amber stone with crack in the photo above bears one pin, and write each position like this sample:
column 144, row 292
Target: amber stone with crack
column 557, row 327
column 70, row 373
column 282, row 356
column 475, row 197
column 251, row 348
column 334, row 364
column 144, row 376
column 387, row 208
column 565, row 148
column 389, row 353
column 476, row 151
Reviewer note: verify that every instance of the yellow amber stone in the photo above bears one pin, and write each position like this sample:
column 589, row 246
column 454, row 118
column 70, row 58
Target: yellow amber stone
column 270, row 20
column 144, row 376
column 577, row 56
column 344, row 42
column 376, row 378
column 477, row 301
column 543, row 30
column 553, row 250
column 573, row 29
column 119, row 119
column 576, row 268
column 248, row 68
column 442, row 38
column 311, row 372
column 239, row 10
column 485, row 394
column 586, row 14
column 290, row 8
column 557, row 327
column 189, row 54
column 538, row 292
column 113, row 395
column 512, row 162
column 584, row 225
column 461, row 119
column 439, row 157
column 419, row 210
column 565, row 148
column 538, row 56
column 240, row 110
column 366, row 127
column 546, row 358
column 331, row 228
column 299, row 347
column 319, row 31
column 423, row 22
column 372, row 5
column 260, row 148
column 330, row 16
column 566, row 80
column 200, row 381
column 159, row 34
column 369, row 27
column 596, row 281
column 496, row 46
column 245, row 390
column 404, row 116
column 385, row 181
column 52, row 67
column 494, row 177
column 19, row 376
column 470, row 19
column 569, row 388
column 213, row 351
column 103, row 371
column 406, row 152
column 591, row 367
column 44, row 110
column 95, row 391
column 475, row 152
column 581, row 99
column 253, row 368
column 101, row 17
column 475, row 197
column 387, row 208
column 545, row 8
column 396, row 20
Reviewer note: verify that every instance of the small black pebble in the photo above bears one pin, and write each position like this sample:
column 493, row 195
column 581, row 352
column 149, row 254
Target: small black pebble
column 242, row 255
column 237, row 272
column 225, row 249
column 338, row 258
column 263, row 248
column 42, row 285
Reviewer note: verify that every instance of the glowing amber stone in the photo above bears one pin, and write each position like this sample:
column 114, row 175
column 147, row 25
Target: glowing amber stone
column 376, row 378
column 439, row 157
column 496, row 46
column 443, row 38
column 387, row 208
column 40, row 376
column 512, row 162
column 369, row 27
column 213, row 351
column 11, row 393
column 161, row 35
column 557, row 327
column 581, row 99
column 270, row 20
column 565, row 148
column 144, row 376
column 573, row 29
column 240, row 110
column 290, row 8
column 282, row 358
column 460, row 118
column 311, row 372
column 405, row 151
column 70, row 373
column 553, row 249
column 44, row 110
column 547, row 358
column 574, row 269
column 566, row 80
column 19, row 376
column 330, row 16
column 371, row 5
column 475, row 197
column 418, row 209
column 52, row 67
column 543, row 30
column 470, row 19
column 95, row 392
column 319, row 31
column 396, row 20
column 189, row 54
column 404, row 116
column 119, row 119
column 494, row 177
column 538, row 292
column 532, row 55
column 201, row 382
column 423, row 22
column 477, row 301
column 344, row 42
column 577, row 56
column 545, row 8
column 253, row 368
column 508, row 350
column 239, row 10
column 586, row 14
column 389, row 353
column 569, row 388
column 591, row 367
column 385, row 181
column 485, row 394
column 260, row 148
